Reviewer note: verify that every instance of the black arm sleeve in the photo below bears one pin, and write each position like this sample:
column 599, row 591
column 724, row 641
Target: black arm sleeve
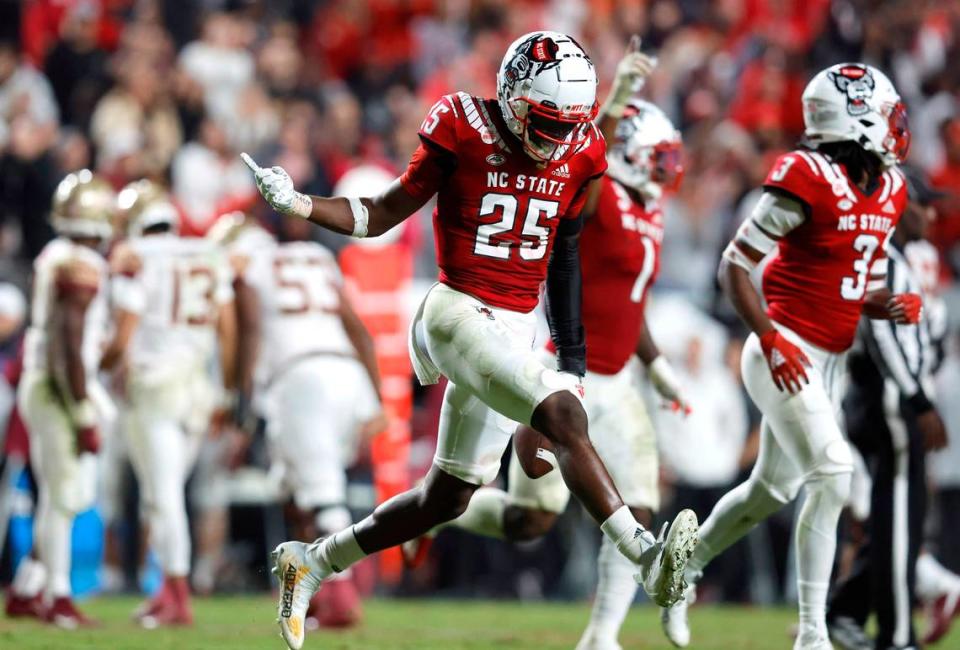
column 564, row 298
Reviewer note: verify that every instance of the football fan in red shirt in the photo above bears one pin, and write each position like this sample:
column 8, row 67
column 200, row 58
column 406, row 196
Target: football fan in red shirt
column 826, row 214
column 619, row 258
column 510, row 175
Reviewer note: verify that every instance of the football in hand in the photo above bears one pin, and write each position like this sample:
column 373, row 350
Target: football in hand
column 527, row 443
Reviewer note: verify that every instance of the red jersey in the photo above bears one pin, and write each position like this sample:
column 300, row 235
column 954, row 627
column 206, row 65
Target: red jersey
column 817, row 281
column 497, row 208
column 619, row 259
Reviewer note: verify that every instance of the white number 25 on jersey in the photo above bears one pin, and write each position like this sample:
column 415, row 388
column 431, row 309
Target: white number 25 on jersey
column 534, row 245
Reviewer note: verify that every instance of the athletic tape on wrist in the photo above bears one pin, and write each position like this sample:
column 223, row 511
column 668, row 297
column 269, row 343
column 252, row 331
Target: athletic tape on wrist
column 361, row 217
column 83, row 413
column 661, row 371
column 302, row 205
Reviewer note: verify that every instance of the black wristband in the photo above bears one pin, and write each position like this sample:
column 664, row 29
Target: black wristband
column 919, row 403
column 572, row 359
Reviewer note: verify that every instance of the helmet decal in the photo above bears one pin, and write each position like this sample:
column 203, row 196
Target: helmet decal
column 544, row 50
column 538, row 49
column 857, row 83
column 546, row 89
column 855, row 102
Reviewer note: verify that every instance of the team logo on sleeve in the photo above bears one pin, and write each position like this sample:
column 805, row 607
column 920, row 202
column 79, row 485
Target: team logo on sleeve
column 856, row 82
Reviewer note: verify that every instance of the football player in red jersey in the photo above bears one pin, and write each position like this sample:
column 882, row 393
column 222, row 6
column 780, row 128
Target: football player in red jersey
column 827, row 212
column 619, row 257
column 510, row 175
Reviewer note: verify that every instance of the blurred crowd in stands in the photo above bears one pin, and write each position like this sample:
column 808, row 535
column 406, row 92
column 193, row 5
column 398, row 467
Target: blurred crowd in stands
column 175, row 90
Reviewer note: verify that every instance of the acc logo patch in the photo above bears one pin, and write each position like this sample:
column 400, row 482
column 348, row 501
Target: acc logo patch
column 496, row 159
column 844, row 204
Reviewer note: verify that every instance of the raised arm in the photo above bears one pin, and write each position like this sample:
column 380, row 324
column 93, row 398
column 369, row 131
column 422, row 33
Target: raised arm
column 359, row 217
column 632, row 72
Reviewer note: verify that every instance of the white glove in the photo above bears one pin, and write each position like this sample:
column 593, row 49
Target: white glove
column 632, row 72
column 276, row 186
column 665, row 382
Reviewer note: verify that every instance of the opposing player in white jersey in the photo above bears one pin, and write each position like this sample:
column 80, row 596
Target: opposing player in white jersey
column 173, row 300
column 314, row 375
column 510, row 175
column 826, row 214
column 60, row 400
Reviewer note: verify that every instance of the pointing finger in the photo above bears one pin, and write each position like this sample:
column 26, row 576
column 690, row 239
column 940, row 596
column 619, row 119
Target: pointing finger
column 249, row 162
column 634, row 45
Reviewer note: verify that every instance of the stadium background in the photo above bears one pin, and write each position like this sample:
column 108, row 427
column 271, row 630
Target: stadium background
column 175, row 90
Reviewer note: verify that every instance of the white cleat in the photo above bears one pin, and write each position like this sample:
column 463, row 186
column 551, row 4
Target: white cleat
column 812, row 639
column 299, row 579
column 674, row 621
column 661, row 574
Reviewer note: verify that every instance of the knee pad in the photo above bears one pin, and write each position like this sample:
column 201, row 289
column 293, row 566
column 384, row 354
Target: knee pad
column 834, row 473
column 765, row 499
column 833, row 487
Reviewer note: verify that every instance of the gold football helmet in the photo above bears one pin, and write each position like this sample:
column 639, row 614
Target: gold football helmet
column 144, row 204
column 83, row 206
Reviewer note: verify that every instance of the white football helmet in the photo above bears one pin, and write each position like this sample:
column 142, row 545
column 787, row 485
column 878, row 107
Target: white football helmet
column 142, row 205
column 547, row 90
column 646, row 153
column 858, row 103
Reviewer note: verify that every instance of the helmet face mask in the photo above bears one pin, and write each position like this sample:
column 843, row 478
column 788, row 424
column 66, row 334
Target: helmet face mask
column 547, row 94
column 647, row 153
column 857, row 103
column 899, row 136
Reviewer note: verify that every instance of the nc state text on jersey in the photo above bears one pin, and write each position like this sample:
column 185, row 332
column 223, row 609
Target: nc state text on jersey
column 849, row 222
column 525, row 183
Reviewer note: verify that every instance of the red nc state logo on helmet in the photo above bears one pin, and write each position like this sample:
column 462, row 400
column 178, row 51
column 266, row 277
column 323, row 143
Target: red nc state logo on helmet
column 544, row 50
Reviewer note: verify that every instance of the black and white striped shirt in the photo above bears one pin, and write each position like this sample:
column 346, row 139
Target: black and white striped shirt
column 905, row 354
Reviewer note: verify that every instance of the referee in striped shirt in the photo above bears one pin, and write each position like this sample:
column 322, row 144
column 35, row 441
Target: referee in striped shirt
column 891, row 419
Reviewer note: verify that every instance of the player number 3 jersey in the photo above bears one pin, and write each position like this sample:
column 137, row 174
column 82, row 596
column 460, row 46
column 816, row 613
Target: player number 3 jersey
column 817, row 281
column 497, row 209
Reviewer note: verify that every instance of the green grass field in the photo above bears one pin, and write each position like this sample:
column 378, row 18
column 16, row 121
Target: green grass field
column 247, row 623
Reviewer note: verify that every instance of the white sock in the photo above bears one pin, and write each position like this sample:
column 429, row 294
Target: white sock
column 627, row 535
column 484, row 514
column 29, row 579
column 331, row 519
column 615, row 591
column 816, row 542
column 54, row 528
column 934, row 579
column 338, row 552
